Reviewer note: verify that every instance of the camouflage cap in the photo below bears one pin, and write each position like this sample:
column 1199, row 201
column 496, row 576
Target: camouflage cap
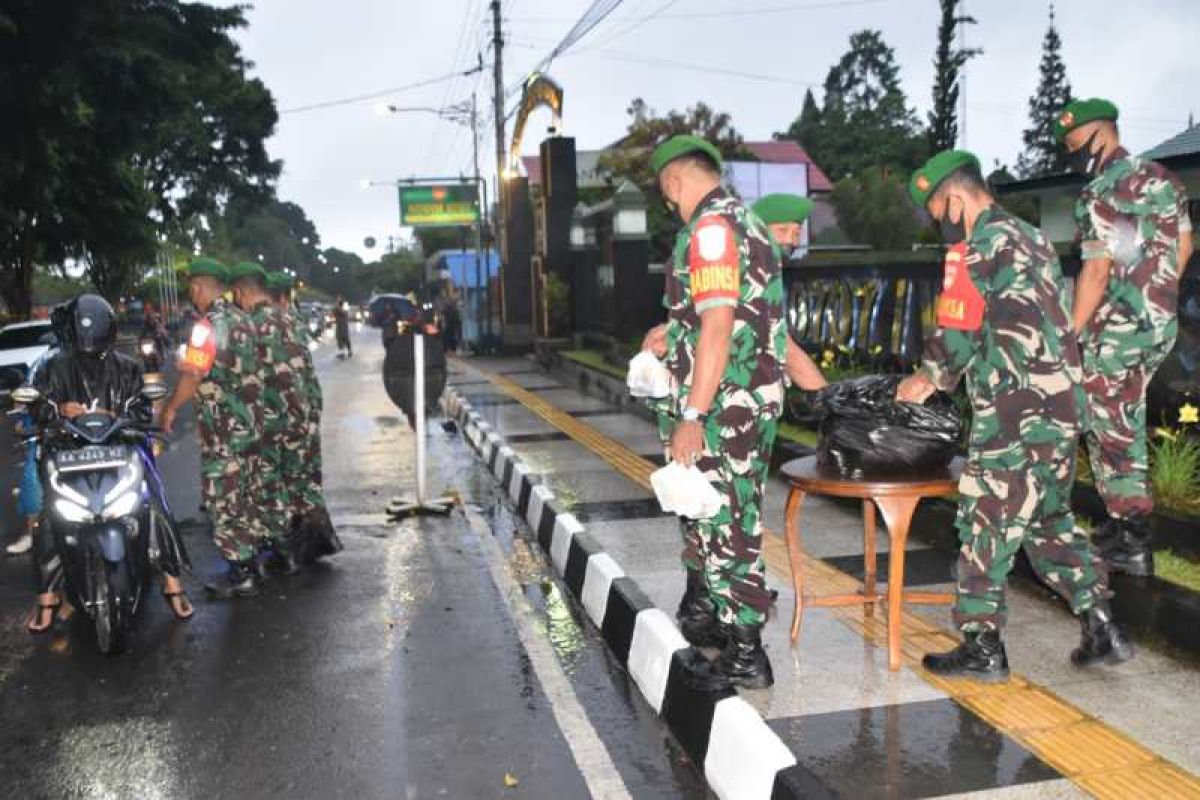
column 779, row 208
column 926, row 179
column 681, row 145
column 208, row 267
column 247, row 269
column 278, row 281
column 1081, row 112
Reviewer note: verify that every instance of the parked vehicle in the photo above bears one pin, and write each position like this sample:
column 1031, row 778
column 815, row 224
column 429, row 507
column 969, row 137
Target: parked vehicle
column 22, row 345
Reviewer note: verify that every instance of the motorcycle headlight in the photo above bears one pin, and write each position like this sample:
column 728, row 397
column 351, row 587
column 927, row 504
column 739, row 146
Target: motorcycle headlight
column 122, row 506
column 131, row 477
column 67, row 492
column 147, row 348
column 71, row 512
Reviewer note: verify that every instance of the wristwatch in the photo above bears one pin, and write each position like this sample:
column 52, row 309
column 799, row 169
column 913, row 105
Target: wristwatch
column 690, row 414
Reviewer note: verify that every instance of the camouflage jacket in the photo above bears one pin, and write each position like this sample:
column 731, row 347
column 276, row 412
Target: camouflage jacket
column 230, row 392
column 724, row 257
column 308, row 371
column 1133, row 212
column 281, row 363
column 1021, row 359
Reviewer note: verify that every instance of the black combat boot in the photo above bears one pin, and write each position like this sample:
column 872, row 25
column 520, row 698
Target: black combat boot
column 1103, row 641
column 744, row 661
column 242, row 581
column 697, row 614
column 981, row 656
column 1127, row 549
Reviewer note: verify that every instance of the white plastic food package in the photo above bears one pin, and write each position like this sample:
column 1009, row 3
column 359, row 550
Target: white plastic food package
column 648, row 377
column 685, row 491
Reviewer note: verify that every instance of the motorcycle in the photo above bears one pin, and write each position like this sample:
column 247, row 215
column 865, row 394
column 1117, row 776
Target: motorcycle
column 106, row 508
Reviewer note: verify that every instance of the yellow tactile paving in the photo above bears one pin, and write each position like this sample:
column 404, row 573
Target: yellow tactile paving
column 1097, row 758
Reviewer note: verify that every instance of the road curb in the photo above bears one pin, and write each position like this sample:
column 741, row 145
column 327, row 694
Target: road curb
column 741, row 756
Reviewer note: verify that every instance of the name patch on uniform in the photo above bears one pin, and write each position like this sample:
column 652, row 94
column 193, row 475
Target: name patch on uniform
column 960, row 305
column 713, row 262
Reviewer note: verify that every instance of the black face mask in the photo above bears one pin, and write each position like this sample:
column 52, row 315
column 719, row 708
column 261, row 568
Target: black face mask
column 953, row 232
column 1083, row 160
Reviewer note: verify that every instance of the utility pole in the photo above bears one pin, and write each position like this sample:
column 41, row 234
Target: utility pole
column 484, row 317
column 498, row 100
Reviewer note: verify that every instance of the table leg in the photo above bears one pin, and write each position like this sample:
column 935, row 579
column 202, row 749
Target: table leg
column 792, row 536
column 869, row 558
column 897, row 514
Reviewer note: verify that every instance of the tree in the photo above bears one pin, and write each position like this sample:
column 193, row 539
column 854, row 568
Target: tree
column 806, row 127
column 629, row 159
column 1042, row 154
column 947, row 62
column 873, row 208
column 865, row 119
column 123, row 120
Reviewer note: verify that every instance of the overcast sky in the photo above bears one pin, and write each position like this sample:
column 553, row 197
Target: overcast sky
column 1141, row 54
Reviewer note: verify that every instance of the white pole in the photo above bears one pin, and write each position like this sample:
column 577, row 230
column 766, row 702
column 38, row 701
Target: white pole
column 419, row 411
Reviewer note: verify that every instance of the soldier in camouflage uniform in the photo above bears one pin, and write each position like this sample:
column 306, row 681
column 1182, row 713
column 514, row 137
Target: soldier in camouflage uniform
column 724, row 345
column 219, row 368
column 301, row 464
column 784, row 215
column 1004, row 325
column 279, row 357
column 1136, row 240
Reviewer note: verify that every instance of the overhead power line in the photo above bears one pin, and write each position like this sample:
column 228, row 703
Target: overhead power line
column 595, row 14
column 363, row 98
column 621, row 55
column 739, row 12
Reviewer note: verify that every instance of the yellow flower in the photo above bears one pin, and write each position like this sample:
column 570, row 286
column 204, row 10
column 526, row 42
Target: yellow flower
column 1188, row 414
column 827, row 356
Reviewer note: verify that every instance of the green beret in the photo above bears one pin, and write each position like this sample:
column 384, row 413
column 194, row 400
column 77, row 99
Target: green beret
column 209, row 267
column 1081, row 112
column 279, row 281
column 247, row 269
column 681, row 145
column 778, row 208
column 926, row 179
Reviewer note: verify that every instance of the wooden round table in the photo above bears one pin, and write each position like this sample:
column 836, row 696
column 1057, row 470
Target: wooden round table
column 896, row 499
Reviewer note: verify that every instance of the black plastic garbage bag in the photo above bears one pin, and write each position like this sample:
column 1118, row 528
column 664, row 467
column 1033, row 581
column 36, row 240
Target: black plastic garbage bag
column 866, row 434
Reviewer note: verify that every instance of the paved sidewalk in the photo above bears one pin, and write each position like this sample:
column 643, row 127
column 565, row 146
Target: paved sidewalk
column 861, row 730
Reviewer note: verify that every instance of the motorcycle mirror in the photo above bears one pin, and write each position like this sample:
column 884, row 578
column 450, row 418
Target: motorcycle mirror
column 26, row 395
column 154, row 390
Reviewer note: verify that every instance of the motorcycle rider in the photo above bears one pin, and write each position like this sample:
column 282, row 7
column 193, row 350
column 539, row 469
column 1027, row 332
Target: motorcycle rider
column 88, row 376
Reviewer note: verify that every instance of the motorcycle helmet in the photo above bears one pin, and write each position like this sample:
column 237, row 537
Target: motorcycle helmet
column 92, row 325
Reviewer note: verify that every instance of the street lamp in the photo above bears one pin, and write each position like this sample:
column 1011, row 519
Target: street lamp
column 629, row 212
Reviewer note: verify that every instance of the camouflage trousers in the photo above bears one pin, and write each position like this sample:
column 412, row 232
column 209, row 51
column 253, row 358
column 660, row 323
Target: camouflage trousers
column 301, row 468
column 727, row 547
column 1014, row 502
column 226, row 490
column 1116, row 439
column 270, row 488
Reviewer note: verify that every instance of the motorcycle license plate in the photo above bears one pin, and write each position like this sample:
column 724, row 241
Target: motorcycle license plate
column 90, row 457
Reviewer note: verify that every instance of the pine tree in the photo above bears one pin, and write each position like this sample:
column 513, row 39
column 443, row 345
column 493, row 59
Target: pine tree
column 1043, row 155
column 943, row 119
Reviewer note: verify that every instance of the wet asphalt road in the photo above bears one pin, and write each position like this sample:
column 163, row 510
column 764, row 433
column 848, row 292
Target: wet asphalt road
column 398, row 670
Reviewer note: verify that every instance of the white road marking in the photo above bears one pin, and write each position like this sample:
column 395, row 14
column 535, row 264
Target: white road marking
column 591, row 756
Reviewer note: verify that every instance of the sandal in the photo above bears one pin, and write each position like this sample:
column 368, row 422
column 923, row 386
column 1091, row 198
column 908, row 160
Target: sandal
column 181, row 608
column 39, row 614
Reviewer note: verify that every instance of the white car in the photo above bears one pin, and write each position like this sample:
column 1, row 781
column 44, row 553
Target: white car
column 22, row 345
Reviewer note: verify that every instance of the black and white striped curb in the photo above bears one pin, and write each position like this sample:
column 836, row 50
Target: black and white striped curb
column 742, row 758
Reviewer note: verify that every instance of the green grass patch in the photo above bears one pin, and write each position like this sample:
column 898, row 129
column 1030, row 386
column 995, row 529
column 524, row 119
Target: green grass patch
column 594, row 359
column 794, row 433
column 1177, row 570
column 1175, row 472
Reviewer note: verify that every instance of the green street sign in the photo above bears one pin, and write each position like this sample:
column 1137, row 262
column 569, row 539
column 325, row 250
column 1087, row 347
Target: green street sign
column 440, row 206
